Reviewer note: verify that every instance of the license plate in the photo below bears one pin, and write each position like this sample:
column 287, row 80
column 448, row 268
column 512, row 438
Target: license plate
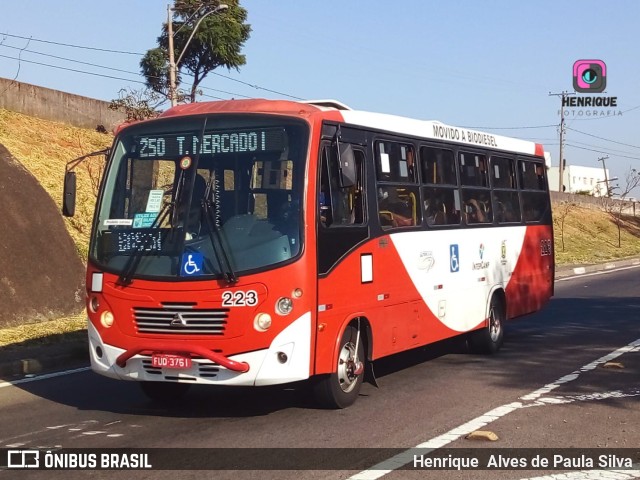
column 165, row 360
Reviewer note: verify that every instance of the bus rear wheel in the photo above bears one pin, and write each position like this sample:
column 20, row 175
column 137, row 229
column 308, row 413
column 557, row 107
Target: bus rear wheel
column 165, row 392
column 489, row 338
column 342, row 387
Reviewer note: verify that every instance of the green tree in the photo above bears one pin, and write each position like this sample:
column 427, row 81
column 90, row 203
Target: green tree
column 217, row 42
column 620, row 207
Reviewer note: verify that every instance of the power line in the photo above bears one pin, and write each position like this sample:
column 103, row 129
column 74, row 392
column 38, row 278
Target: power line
column 602, row 138
column 257, row 87
column 510, row 128
column 70, row 59
column 18, row 71
column 602, row 151
column 70, row 45
column 600, row 146
column 72, row 69
column 118, row 70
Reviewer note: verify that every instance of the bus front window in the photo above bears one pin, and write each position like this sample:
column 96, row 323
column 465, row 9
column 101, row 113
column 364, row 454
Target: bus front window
column 213, row 197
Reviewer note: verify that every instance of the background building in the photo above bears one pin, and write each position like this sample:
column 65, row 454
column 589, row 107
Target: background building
column 578, row 179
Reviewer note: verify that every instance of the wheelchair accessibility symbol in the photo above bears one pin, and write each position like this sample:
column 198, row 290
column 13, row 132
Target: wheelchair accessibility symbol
column 454, row 259
column 191, row 264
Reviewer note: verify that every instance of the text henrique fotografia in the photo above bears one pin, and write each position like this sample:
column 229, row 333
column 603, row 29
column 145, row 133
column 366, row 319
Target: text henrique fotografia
column 590, row 77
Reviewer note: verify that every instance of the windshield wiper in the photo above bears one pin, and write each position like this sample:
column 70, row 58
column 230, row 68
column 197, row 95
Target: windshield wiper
column 216, row 240
column 169, row 208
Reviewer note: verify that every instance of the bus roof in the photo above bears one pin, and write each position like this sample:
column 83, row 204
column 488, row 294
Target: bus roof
column 430, row 129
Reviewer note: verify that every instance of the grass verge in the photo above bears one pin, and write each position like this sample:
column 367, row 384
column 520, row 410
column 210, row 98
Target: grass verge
column 53, row 331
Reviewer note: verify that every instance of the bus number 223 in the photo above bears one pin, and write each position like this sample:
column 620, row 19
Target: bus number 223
column 239, row 298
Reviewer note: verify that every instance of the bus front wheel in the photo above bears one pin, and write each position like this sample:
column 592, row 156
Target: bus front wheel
column 489, row 338
column 342, row 387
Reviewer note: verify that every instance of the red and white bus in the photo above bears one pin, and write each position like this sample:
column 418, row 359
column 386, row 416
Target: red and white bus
column 261, row 242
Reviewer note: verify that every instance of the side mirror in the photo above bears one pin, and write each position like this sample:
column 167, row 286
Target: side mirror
column 69, row 194
column 347, row 163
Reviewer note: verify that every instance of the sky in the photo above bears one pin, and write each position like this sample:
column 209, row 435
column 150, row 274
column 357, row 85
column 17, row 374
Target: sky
column 489, row 65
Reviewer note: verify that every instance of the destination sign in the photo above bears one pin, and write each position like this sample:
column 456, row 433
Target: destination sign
column 220, row 142
column 142, row 241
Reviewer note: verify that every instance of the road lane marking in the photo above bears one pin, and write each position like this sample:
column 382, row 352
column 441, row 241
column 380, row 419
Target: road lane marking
column 387, row 466
column 564, row 399
column 46, row 376
column 631, row 347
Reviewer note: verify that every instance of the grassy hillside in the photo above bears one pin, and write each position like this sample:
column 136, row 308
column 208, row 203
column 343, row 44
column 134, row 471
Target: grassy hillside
column 43, row 147
column 591, row 236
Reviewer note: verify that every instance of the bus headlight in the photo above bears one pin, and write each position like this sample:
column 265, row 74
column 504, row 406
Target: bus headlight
column 106, row 319
column 284, row 306
column 262, row 322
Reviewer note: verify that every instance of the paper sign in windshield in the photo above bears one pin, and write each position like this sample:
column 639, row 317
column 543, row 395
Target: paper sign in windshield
column 155, row 200
column 118, row 222
column 144, row 220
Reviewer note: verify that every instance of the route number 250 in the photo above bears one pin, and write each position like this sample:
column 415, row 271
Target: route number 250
column 239, row 298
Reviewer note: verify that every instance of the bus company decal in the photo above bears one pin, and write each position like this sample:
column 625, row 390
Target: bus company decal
column 426, row 261
column 482, row 264
column 462, row 283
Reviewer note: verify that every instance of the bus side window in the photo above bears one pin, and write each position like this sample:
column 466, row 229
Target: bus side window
column 532, row 176
column 398, row 206
column 441, row 197
column 473, row 169
column 337, row 205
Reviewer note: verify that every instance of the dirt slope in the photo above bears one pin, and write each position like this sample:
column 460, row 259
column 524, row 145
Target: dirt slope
column 41, row 274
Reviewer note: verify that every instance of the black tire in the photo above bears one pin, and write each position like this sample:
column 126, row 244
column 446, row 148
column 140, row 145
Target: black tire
column 341, row 388
column 489, row 339
column 164, row 392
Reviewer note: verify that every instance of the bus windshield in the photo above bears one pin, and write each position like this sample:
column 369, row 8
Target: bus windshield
column 213, row 196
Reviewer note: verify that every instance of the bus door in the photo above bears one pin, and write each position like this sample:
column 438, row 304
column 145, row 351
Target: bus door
column 342, row 226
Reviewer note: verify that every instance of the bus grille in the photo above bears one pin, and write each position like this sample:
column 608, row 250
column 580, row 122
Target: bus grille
column 181, row 320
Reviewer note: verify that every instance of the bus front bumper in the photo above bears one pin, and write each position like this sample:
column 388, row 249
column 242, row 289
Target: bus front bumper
column 257, row 368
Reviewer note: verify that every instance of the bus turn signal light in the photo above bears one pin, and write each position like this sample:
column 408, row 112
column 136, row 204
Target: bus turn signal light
column 284, row 306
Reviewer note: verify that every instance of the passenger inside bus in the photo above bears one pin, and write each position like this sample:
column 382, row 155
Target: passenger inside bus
column 396, row 209
column 194, row 225
column 476, row 211
column 436, row 213
column 284, row 212
column 338, row 206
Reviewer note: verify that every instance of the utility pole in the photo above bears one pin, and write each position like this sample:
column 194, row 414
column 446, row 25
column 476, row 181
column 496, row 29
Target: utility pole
column 172, row 62
column 562, row 132
column 606, row 180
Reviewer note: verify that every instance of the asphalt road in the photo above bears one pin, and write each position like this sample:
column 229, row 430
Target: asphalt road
column 567, row 377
